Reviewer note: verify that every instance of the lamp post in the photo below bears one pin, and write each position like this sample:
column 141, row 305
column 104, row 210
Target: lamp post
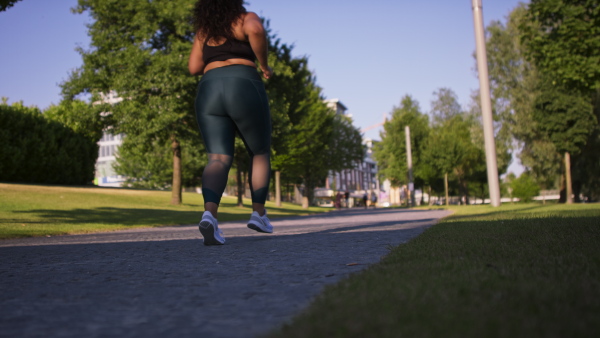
column 411, row 185
column 486, row 105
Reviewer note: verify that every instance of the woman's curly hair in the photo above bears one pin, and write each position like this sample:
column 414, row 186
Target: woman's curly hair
column 215, row 18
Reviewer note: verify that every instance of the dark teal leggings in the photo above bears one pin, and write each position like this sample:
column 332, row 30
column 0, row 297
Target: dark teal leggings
column 233, row 99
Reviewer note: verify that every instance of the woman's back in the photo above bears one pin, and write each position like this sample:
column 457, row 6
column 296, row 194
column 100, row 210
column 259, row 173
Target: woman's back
column 245, row 44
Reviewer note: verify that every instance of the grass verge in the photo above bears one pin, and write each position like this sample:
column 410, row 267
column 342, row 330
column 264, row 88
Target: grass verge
column 40, row 210
column 513, row 271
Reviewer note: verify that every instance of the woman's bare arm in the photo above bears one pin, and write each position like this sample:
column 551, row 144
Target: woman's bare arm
column 195, row 63
column 255, row 31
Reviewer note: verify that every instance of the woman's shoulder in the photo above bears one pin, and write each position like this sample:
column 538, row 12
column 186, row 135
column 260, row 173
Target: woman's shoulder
column 252, row 23
column 251, row 18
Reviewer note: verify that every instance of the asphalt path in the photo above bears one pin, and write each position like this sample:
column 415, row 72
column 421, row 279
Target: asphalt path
column 163, row 282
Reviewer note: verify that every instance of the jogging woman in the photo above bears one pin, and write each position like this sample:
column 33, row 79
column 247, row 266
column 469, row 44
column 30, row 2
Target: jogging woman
column 231, row 98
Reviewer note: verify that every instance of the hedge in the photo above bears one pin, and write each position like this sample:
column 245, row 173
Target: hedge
column 34, row 149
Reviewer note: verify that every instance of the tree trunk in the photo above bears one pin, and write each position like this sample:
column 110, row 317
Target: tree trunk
column 446, row 187
column 543, row 196
column 240, row 187
column 563, row 189
column 305, row 202
column 176, row 187
column 309, row 193
column 278, row 188
column 429, row 196
column 297, row 195
column 569, row 197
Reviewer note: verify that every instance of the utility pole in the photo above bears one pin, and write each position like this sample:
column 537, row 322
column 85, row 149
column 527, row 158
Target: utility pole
column 278, row 188
column 411, row 185
column 486, row 105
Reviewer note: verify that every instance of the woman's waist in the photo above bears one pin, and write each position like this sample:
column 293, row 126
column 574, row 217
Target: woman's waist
column 245, row 66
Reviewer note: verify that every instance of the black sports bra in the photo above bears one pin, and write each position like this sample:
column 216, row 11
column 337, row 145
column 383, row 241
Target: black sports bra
column 230, row 49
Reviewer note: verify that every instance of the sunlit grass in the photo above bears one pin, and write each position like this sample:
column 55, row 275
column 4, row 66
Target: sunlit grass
column 522, row 270
column 40, row 210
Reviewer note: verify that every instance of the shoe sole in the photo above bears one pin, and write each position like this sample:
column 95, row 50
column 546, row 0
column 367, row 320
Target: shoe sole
column 258, row 228
column 208, row 232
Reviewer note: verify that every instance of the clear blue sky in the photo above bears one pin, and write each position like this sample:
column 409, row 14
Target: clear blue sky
column 368, row 54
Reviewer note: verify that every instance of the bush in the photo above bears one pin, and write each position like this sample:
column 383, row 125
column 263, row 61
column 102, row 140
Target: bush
column 37, row 150
column 524, row 188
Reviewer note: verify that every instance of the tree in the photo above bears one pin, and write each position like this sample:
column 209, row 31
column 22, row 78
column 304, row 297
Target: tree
column 524, row 187
column 543, row 162
column 345, row 148
column 451, row 151
column 6, row 4
column 149, row 164
column 139, row 49
column 587, row 164
column 503, row 142
column 567, row 118
column 280, row 88
column 563, row 41
column 445, row 105
column 80, row 116
column 517, row 87
column 309, row 142
column 514, row 83
column 390, row 153
column 451, row 148
column 308, row 139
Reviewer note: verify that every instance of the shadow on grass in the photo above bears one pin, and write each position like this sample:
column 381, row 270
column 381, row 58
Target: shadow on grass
column 137, row 216
column 107, row 215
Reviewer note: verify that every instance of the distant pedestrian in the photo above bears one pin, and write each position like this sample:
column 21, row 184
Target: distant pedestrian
column 230, row 99
column 338, row 200
column 365, row 200
column 347, row 198
column 374, row 199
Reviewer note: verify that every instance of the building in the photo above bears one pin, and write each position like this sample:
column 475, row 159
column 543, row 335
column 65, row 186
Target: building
column 105, row 173
column 107, row 150
column 336, row 106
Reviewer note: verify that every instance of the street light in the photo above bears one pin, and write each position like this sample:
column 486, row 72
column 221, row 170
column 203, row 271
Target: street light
column 486, row 105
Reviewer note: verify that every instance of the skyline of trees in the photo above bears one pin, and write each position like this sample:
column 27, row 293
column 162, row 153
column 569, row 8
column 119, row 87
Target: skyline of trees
column 139, row 50
column 547, row 114
column 545, row 82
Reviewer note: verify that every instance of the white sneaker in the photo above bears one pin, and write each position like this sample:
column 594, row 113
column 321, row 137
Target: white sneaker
column 209, row 229
column 260, row 223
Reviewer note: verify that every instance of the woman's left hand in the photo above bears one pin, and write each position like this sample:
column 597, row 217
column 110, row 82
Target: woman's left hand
column 267, row 71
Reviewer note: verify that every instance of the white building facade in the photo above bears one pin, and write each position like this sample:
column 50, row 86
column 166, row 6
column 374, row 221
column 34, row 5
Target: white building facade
column 108, row 147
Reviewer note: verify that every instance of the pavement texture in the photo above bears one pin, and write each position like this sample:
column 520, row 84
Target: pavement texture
column 163, row 282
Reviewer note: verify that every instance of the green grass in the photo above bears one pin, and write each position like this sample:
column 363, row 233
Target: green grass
column 523, row 270
column 40, row 210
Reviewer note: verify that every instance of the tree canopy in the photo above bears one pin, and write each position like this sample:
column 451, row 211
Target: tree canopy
column 139, row 50
column 390, row 153
column 544, row 65
column 80, row 116
column 6, row 4
column 563, row 40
